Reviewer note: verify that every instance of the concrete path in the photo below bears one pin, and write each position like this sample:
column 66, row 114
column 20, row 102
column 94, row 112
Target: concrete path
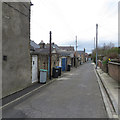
column 112, row 88
column 76, row 95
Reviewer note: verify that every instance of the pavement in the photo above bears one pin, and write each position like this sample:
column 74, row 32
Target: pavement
column 111, row 87
column 74, row 95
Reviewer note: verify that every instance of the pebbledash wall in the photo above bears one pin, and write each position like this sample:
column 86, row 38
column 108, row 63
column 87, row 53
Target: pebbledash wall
column 16, row 62
column 114, row 70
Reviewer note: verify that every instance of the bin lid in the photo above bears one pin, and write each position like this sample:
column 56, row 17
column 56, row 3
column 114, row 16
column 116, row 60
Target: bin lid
column 58, row 67
column 43, row 70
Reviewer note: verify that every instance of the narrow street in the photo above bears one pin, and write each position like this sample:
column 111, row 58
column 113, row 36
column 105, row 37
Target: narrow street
column 76, row 95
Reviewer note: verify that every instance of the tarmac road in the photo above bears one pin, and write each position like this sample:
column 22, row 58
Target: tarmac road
column 76, row 95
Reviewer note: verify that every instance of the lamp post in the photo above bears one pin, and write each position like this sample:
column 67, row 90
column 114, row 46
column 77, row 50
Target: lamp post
column 96, row 43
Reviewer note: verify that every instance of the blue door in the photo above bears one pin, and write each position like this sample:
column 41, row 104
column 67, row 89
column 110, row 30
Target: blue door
column 48, row 66
column 63, row 64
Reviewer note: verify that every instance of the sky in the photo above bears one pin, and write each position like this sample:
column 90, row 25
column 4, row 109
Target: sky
column 70, row 18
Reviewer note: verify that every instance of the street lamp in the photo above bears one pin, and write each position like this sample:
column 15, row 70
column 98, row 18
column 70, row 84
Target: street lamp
column 96, row 43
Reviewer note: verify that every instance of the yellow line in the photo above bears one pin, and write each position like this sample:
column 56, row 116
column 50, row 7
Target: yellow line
column 26, row 94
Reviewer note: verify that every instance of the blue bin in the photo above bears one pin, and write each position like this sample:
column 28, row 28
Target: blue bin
column 59, row 72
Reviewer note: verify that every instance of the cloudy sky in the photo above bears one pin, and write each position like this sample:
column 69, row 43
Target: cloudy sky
column 68, row 18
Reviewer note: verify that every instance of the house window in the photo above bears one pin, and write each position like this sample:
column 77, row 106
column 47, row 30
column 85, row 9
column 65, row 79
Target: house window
column 33, row 62
column 5, row 58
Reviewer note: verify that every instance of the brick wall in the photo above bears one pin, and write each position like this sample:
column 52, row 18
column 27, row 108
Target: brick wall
column 114, row 70
column 99, row 63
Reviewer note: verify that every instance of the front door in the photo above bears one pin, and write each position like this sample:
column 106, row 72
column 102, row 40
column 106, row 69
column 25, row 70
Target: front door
column 34, row 69
column 63, row 64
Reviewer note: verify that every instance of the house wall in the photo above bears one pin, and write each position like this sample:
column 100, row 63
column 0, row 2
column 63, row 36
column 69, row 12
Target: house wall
column 78, row 61
column 0, row 57
column 16, row 47
column 72, row 62
column 43, row 64
column 114, row 70
column 68, row 60
column 55, row 61
column 83, row 58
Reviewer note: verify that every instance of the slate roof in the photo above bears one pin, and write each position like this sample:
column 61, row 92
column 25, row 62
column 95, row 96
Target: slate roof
column 81, row 52
column 53, row 46
column 44, row 51
column 34, row 45
column 68, row 48
column 64, row 52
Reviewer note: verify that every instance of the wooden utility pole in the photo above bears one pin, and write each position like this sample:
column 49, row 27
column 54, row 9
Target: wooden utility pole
column 50, row 55
column 96, row 43
column 76, row 54
column 76, row 43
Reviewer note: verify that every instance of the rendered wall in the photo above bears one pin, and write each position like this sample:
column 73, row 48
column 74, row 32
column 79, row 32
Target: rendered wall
column 16, row 64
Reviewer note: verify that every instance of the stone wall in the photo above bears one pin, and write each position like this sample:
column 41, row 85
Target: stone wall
column 15, row 47
column 43, row 62
column 114, row 70
column 54, row 60
column 68, row 60
column 100, row 63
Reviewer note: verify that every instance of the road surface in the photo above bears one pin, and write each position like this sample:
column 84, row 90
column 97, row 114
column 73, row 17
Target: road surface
column 76, row 95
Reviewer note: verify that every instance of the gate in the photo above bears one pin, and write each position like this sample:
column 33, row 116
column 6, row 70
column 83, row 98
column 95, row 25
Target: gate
column 64, row 64
column 34, row 68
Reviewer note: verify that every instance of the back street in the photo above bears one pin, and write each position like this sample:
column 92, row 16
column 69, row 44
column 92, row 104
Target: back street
column 75, row 95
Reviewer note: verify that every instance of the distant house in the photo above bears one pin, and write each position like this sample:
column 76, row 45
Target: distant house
column 65, row 58
column 82, row 56
column 53, row 45
column 67, row 48
column 86, row 56
column 43, row 62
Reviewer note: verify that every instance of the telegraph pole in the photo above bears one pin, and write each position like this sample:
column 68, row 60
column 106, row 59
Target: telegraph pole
column 76, row 43
column 50, row 56
column 96, row 43
column 76, row 54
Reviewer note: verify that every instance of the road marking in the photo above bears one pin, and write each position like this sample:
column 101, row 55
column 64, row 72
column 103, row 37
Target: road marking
column 25, row 94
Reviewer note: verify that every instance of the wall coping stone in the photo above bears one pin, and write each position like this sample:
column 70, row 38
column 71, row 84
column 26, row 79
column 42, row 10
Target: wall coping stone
column 114, row 63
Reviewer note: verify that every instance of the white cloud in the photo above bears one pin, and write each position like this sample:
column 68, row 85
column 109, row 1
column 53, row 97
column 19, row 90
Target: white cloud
column 68, row 18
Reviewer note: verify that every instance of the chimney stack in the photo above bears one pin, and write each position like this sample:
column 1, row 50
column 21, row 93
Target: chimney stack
column 42, row 44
